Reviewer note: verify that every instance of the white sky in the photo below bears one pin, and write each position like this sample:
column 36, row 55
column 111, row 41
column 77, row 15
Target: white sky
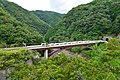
column 61, row 6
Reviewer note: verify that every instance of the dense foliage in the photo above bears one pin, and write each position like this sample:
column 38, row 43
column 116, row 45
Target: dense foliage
column 100, row 63
column 88, row 21
column 14, row 33
column 24, row 16
column 14, row 58
column 52, row 18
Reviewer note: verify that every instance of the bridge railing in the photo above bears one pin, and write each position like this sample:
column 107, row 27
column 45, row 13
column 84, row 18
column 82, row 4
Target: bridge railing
column 65, row 43
column 76, row 42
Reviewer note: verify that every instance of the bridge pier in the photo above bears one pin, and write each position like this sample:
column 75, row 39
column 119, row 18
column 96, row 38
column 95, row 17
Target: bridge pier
column 46, row 54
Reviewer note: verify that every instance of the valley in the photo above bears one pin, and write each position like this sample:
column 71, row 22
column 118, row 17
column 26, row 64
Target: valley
column 82, row 44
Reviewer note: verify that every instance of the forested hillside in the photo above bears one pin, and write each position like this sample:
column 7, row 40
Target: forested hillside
column 14, row 33
column 24, row 16
column 88, row 21
column 50, row 17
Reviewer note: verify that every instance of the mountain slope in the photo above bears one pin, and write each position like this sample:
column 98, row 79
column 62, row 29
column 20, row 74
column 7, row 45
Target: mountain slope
column 14, row 33
column 88, row 21
column 49, row 17
column 24, row 16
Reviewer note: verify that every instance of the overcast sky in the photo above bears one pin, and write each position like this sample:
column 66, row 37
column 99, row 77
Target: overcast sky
column 61, row 6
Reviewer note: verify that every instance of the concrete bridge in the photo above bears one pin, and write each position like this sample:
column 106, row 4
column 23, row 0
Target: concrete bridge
column 59, row 46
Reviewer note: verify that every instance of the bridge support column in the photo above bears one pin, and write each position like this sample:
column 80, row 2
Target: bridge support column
column 46, row 54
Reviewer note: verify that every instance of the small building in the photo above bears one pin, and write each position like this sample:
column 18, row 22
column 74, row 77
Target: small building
column 105, row 38
column 118, row 36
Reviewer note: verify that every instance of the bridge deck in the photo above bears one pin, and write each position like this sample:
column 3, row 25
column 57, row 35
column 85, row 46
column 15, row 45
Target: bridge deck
column 45, row 46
